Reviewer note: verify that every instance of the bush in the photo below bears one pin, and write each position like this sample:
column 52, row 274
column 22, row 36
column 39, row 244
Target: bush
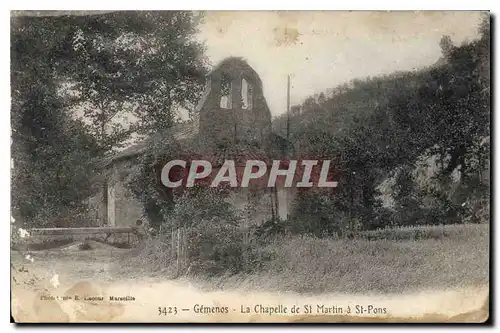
column 320, row 213
column 202, row 235
column 85, row 246
column 215, row 246
column 272, row 227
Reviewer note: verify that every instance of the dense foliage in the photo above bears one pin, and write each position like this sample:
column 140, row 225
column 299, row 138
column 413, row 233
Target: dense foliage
column 71, row 76
column 387, row 129
column 51, row 152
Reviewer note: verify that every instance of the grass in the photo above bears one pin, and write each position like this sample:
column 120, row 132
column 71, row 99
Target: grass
column 311, row 265
column 452, row 231
column 439, row 257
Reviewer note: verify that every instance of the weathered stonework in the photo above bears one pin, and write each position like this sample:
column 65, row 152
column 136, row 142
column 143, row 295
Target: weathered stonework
column 243, row 115
column 234, row 117
column 119, row 207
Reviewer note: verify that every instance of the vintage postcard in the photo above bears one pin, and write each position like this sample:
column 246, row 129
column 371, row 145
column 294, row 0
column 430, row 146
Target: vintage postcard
column 250, row 166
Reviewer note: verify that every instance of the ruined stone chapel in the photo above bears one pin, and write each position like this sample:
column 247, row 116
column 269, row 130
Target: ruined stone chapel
column 233, row 121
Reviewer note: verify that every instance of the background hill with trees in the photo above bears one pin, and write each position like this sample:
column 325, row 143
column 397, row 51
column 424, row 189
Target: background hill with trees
column 413, row 147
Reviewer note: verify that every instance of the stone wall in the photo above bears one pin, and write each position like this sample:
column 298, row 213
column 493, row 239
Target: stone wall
column 97, row 211
column 127, row 209
column 245, row 120
column 121, row 208
column 263, row 202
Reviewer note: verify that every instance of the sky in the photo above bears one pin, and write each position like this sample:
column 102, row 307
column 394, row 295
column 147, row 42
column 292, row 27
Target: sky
column 321, row 50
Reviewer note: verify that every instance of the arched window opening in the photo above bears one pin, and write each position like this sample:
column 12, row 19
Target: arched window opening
column 246, row 95
column 225, row 92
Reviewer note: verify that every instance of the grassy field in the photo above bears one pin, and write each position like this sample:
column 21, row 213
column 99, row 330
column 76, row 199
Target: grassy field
column 436, row 232
column 395, row 260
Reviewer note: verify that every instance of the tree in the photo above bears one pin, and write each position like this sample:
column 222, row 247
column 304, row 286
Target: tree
column 51, row 152
column 146, row 64
column 446, row 45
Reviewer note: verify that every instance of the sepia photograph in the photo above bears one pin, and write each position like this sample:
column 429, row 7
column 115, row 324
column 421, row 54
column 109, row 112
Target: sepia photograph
column 250, row 166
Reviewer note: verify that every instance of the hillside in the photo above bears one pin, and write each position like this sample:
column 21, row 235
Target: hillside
column 423, row 135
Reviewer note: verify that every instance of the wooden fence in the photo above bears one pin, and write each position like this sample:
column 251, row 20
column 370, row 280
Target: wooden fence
column 179, row 249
